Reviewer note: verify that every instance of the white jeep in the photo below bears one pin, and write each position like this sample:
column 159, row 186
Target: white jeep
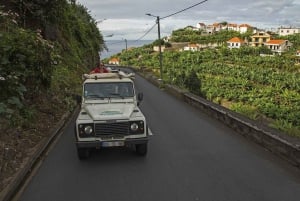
column 109, row 114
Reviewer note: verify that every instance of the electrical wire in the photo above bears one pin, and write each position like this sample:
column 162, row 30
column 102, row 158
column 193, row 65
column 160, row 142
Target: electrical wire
column 147, row 32
column 172, row 15
column 140, row 38
column 112, row 43
column 184, row 9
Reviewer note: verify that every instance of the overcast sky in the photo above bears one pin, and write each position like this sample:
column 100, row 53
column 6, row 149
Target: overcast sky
column 126, row 19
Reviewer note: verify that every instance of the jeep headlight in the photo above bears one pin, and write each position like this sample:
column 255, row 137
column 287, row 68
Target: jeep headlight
column 86, row 130
column 137, row 127
column 134, row 127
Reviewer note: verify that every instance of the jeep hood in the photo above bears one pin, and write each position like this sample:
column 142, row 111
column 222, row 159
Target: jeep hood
column 111, row 111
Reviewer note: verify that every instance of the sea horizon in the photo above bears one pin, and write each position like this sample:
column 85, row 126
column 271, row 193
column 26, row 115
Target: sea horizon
column 116, row 46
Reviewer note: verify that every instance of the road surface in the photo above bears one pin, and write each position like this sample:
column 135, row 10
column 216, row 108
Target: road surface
column 191, row 157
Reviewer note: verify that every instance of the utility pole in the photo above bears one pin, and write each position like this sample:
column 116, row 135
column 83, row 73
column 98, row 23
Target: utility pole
column 125, row 44
column 159, row 46
column 157, row 21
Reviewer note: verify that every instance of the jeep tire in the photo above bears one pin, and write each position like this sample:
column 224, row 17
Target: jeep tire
column 141, row 149
column 83, row 153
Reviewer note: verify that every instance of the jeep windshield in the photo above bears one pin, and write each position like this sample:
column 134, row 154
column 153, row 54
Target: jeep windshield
column 109, row 90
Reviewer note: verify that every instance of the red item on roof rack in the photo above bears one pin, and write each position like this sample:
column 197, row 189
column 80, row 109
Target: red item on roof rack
column 100, row 69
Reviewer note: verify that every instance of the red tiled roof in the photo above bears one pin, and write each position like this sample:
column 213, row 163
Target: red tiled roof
column 114, row 59
column 193, row 45
column 232, row 25
column 245, row 25
column 216, row 24
column 276, row 42
column 236, row 40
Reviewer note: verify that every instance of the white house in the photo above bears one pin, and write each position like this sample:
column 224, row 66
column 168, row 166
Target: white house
column 231, row 27
column 243, row 28
column 156, row 48
column 283, row 31
column 191, row 47
column 114, row 61
column 201, row 25
column 278, row 46
column 235, row 43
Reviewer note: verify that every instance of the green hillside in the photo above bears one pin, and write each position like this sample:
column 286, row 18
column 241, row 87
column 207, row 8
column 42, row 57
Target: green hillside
column 266, row 89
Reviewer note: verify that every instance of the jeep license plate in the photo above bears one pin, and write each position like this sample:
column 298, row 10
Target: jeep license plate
column 113, row 144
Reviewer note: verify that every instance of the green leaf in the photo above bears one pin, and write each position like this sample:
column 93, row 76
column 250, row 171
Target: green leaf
column 15, row 101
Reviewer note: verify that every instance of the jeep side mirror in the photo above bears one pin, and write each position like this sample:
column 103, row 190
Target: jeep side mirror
column 140, row 97
column 78, row 99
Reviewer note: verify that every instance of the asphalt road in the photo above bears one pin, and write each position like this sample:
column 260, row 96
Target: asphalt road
column 191, row 157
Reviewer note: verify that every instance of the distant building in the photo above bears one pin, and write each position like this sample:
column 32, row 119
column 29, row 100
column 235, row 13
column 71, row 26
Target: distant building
column 230, row 27
column 210, row 29
column 114, row 61
column 156, row 48
column 278, row 46
column 259, row 39
column 298, row 53
column 201, row 25
column 235, row 43
column 243, row 28
column 284, row 31
column 216, row 27
column 191, row 47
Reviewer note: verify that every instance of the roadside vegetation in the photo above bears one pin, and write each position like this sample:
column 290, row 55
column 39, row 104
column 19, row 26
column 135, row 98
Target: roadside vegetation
column 266, row 89
column 45, row 47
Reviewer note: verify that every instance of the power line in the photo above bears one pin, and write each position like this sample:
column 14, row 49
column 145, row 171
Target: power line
column 112, row 43
column 146, row 33
column 184, row 9
column 172, row 15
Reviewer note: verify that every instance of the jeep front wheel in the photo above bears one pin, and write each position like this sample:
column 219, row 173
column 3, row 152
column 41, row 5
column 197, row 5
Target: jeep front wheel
column 141, row 149
column 83, row 153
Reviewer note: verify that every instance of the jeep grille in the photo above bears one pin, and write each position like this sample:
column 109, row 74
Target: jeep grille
column 119, row 128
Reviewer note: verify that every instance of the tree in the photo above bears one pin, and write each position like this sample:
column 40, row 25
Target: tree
column 193, row 83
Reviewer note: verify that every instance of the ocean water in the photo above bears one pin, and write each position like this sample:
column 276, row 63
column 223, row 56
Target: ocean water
column 116, row 46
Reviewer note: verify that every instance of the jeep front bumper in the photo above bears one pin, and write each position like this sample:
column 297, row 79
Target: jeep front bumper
column 99, row 144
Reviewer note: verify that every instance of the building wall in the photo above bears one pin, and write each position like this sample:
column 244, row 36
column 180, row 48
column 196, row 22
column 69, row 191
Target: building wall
column 259, row 39
column 288, row 31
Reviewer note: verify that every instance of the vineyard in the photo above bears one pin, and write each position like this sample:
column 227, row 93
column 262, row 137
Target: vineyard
column 266, row 89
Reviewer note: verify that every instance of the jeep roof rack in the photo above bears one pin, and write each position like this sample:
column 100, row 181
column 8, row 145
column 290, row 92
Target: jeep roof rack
column 119, row 74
